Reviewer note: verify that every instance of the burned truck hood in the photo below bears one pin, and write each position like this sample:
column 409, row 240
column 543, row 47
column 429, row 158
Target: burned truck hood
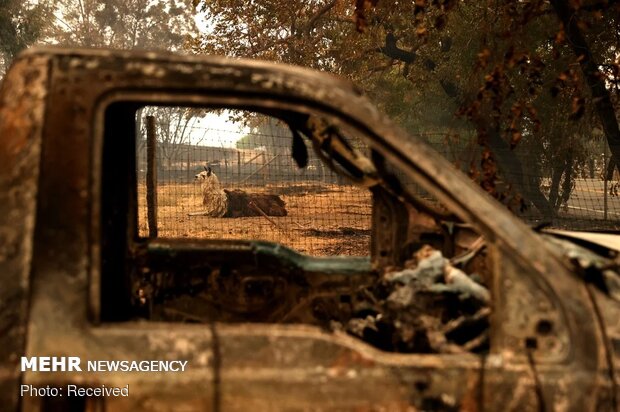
column 607, row 241
column 596, row 259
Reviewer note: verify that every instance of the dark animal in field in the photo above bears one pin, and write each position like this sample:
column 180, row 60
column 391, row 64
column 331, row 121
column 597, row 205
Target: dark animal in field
column 241, row 204
column 219, row 202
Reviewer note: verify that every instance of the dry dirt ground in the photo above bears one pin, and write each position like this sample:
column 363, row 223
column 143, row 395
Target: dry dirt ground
column 323, row 219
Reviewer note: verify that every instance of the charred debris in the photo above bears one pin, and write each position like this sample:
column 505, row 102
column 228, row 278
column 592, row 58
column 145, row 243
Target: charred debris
column 428, row 306
column 431, row 304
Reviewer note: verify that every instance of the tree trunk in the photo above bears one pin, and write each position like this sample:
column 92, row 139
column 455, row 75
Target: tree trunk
column 594, row 79
column 567, row 185
column 507, row 160
column 609, row 171
column 554, row 189
column 512, row 170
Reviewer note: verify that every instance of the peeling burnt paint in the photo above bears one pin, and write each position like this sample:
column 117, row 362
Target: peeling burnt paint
column 21, row 121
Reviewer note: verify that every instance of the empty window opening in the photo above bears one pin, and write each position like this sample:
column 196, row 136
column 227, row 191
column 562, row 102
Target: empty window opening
column 423, row 290
column 232, row 174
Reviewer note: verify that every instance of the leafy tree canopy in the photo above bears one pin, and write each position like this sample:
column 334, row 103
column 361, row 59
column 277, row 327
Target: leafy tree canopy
column 510, row 78
column 21, row 24
column 124, row 24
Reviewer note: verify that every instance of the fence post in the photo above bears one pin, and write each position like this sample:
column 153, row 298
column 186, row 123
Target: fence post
column 151, row 176
column 264, row 169
column 605, row 183
column 238, row 165
column 189, row 173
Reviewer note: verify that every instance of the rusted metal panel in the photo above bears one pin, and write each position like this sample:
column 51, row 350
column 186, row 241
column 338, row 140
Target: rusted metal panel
column 271, row 366
column 22, row 99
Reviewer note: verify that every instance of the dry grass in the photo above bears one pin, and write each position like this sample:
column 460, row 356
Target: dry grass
column 323, row 220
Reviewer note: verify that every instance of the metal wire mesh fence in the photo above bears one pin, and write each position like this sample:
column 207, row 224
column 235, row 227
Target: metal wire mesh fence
column 566, row 189
column 323, row 214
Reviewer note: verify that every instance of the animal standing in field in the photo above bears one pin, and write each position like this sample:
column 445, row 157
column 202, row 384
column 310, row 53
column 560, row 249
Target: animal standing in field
column 219, row 202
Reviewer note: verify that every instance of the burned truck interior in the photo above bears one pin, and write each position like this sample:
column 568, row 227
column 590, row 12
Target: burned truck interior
column 422, row 286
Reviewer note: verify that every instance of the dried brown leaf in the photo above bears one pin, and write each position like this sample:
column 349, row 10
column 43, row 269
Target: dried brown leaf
column 577, row 108
column 583, row 25
column 560, row 37
column 515, row 139
column 361, row 7
column 483, row 57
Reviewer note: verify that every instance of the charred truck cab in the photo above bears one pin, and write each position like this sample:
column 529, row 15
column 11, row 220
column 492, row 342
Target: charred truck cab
column 79, row 280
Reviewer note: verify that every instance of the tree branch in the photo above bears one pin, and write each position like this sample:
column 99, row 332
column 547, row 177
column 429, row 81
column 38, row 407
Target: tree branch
column 508, row 162
column 321, row 12
column 392, row 51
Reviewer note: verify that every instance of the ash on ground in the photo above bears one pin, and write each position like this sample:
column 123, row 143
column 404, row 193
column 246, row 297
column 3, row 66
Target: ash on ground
column 429, row 306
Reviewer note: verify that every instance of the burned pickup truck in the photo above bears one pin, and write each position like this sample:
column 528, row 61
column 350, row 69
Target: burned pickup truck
column 457, row 305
